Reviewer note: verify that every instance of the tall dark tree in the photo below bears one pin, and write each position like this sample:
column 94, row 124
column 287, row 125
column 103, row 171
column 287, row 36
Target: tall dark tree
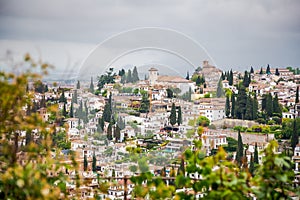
column 251, row 70
column 256, row 161
column 246, row 80
column 92, row 89
column 28, row 137
column 179, row 116
column 187, row 76
column 74, row 97
column 241, row 102
column 181, row 168
column 297, row 95
column 276, row 106
column 101, row 124
column 169, row 93
column 232, row 106
column 121, row 72
column 85, row 163
column 71, row 114
column 295, row 136
column 117, row 133
column 198, row 81
column 78, row 85
column 220, row 90
column 255, row 107
column 239, row 150
column 173, row 115
column 107, row 113
column 261, row 71
column 268, row 71
column 108, row 77
column 64, row 110
column 62, row 97
column 94, row 163
column 264, row 102
column 277, row 72
column 109, row 132
column 145, row 104
column 230, row 78
column 227, row 107
column 129, row 77
column 269, row 105
column 135, row 75
column 249, row 109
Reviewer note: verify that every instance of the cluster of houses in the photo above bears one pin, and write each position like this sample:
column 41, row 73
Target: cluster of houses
column 111, row 155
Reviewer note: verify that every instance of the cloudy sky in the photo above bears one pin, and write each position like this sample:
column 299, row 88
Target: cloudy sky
column 231, row 34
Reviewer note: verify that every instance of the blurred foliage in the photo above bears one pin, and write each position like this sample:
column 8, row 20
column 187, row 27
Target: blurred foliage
column 29, row 169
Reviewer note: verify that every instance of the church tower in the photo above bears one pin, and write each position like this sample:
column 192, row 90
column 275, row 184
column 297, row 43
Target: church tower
column 153, row 76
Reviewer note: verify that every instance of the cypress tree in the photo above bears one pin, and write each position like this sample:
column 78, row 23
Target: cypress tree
column 220, row 91
column 75, row 97
column 276, row 106
column 268, row 71
column 107, row 113
column 187, row 76
column 198, row 81
column 101, row 123
column 135, row 75
column 241, row 103
column 249, row 109
column 94, row 162
column 173, row 115
column 117, row 133
column 109, row 132
column 85, row 163
column 297, row 95
column 145, row 104
column 92, row 89
column 62, row 97
column 232, row 106
column 264, row 102
column 227, row 107
column 251, row 167
column 251, row 70
column 179, row 116
column 256, row 155
column 71, row 110
column 261, row 71
column 246, row 79
column 129, row 77
column 295, row 136
column 255, row 108
column 239, row 150
column 269, row 105
column 64, row 111
column 78, row 85
column 230, row 78
column 277, row 72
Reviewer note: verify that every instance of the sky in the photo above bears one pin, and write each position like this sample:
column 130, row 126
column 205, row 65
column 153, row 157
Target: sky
column 233, row 34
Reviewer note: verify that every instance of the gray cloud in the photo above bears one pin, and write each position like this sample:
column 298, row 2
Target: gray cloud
column 236, row 33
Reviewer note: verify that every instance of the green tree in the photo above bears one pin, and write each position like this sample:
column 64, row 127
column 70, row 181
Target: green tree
column 92, row 90
column 108, row 77
column 117, row 133
column 187, row 76
column 268, row 71
column 251, row 70
column 239, row 150
column 241, row 103
column 85, row 163
column 249, row 108
column 135, row 75
column 232, row 106
column 269, row 105
column 295, row 136
column 246, row 80
column 256, row 161
column 78, row 85
column 71, row 114
column 251, row 166
column 145, row 104
column 109, row 132
column 173, row 115
column 297, row 95
column 203, row 121
column 220, row 90
column 261, row 71
column 169, row 93
column 198, row 81
column 230, row 78
column 62, row 97
column 276, row 106
column 129, row 77
column 179, row 116
column 94, row 163
column 107, row 113
column 227, row 107
column 75, row 97
column 277, row 72
column 64, row 111
column 255, row 108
